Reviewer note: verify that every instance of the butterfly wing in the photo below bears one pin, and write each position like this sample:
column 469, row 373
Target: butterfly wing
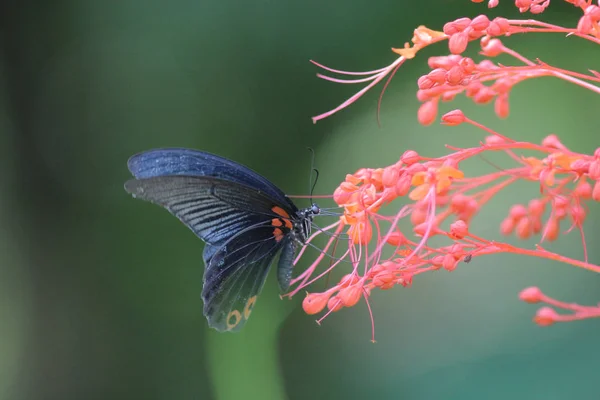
column 214, row 209
column 236, row 221
column 235, row 275
column 178, row 161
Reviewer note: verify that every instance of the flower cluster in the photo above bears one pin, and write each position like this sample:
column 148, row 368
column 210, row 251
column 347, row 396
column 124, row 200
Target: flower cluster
column 442, row 201
column 485, row 81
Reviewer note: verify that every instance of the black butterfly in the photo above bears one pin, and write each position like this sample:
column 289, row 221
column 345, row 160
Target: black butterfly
column 244, row 219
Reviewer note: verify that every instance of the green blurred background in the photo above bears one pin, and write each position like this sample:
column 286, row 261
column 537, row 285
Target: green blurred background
column 100, row 294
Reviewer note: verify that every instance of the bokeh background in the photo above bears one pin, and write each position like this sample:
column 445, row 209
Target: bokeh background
column 100, row 294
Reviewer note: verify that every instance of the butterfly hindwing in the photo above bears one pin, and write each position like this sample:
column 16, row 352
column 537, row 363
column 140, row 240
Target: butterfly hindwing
column 235, row 275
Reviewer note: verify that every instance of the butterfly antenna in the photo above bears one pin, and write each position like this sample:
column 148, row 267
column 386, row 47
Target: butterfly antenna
column 312, row 189
column 311, row 183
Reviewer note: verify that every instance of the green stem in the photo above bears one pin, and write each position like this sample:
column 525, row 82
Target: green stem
column 245, row 365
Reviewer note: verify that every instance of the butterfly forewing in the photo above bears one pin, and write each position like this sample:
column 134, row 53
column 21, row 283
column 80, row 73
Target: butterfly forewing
column 213, row 209
column 169, row 162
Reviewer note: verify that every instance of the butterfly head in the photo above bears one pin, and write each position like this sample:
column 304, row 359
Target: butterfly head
column 302, row 227
column 314, row 209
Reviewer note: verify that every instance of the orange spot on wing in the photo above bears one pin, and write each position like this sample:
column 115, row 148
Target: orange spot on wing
column 280, row 211
column 285, row 220
column 276, row 222
column 278, row 234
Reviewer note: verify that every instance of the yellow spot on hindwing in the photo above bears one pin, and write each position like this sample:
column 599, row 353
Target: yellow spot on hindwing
column 233, row 319
column 249, row 306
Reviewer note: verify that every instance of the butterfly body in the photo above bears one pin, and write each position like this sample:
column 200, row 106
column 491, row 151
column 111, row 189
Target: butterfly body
column 244, row 220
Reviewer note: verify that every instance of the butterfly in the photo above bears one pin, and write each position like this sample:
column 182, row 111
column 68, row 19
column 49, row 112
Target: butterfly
column 244, row 220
